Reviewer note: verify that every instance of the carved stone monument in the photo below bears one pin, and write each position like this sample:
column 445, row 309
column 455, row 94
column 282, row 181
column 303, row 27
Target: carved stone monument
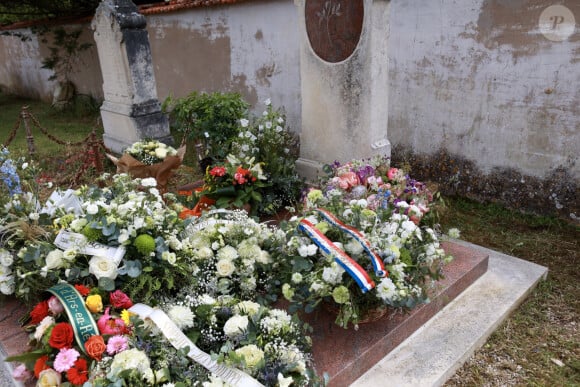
column 131, row 110
column 344, row 77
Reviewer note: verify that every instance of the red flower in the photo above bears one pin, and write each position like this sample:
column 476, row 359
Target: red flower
column 39, row 312
column 83, row 290
column 78, row 374
column 62, row 336
column 40, row 365
column 218, row 171
column 95, row 347
column 120, row 300
column 241, row 174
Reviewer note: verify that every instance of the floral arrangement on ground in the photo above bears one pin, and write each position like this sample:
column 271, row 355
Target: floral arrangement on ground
column 360, row 243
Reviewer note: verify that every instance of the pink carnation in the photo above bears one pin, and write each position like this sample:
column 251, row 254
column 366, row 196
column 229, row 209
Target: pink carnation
column 116, row 344
column 65, row 359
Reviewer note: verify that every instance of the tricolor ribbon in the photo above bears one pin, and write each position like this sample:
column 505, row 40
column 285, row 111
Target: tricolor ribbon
column 359, row 237
column 360, row 276
column 80, row 318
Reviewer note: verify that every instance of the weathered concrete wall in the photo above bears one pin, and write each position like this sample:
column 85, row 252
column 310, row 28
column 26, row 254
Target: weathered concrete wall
column 479, row 98
column 478, row 79
column 21, row 69
column 250, row 48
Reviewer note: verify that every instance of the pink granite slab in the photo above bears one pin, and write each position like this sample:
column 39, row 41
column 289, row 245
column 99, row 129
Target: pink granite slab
column 345, row 354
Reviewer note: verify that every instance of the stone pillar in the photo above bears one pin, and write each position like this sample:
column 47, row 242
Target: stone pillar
column 131, row 110
column 344, row 81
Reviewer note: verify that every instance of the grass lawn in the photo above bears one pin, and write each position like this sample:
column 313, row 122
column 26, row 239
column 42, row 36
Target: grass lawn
column 538, row 345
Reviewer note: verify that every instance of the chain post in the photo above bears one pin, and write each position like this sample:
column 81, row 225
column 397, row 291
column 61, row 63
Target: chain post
column 29, row 139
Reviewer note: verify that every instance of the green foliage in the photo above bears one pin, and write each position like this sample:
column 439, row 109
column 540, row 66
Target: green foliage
column 12, row 11
column 64, row 52
column 210, row 120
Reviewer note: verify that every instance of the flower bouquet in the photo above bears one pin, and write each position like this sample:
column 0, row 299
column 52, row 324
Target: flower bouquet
column 71, row 331
column 122, row 236
column 150, row 158
column 359, row 246
column 230, row 255
column 268, row 344
column 234, row 183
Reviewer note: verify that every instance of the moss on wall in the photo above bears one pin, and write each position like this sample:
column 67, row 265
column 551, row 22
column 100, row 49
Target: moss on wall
column 556, row 194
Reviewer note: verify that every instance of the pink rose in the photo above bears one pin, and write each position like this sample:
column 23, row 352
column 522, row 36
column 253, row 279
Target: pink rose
column 55, row 306
column 348, row 179
column 392, row 173
column 21, row 374
column 109, row 325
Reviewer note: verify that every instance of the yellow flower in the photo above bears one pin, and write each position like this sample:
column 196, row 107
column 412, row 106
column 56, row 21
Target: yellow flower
column 126, row 316
column 94, row 303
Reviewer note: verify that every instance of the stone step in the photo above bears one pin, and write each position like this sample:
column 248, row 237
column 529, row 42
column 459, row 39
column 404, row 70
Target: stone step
column 435, row 351
column 346, row 354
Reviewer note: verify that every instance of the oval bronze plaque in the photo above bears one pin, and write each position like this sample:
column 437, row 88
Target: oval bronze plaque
column 334, row 27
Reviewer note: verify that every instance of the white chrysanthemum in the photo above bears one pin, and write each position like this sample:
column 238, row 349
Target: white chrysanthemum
column 454, row 233
column 264, row 257
column 129, row 359
column 296, row 278
column 386, row 289
column 247, row 307
column 236, row 326
column 333, row 274
column 182, row 316
column 248, row 250
column 354, row 247
column 227, row 252
column 206, row 299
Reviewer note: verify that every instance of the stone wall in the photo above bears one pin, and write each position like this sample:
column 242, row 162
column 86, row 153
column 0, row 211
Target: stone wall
column 474, row 80
column 477, row 82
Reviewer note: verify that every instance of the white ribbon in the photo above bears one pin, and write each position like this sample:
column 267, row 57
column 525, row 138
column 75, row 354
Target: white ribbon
column 179, row 340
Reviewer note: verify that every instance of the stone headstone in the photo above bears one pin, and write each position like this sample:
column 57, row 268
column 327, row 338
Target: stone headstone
column 344, row 81
column 131, row 110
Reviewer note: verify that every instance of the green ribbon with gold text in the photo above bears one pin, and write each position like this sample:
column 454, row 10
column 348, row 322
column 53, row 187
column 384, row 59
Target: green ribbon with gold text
column 80, row 318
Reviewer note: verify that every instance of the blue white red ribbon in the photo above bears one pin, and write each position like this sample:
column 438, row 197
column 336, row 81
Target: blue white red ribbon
column 359, row 237
column 360, row 276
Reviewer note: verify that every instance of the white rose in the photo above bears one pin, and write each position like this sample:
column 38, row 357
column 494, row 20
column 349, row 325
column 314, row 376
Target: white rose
column 43, row 326
column 92, row 208
column 69, row 254
column 170, row 257
column 161, row 153
column 6, row 258
column 102, row 267
column 149, row 182
column 54, row 259
column 236, row 326
column 225, row 267
column 247, row 307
